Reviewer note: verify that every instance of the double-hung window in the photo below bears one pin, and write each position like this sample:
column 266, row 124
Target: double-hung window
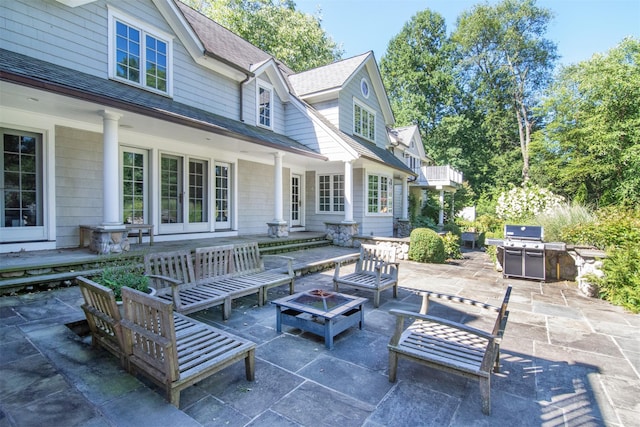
column 265, row 106
column 379, row 194
column 139, row 55
column 364, row 121
column 331, row 193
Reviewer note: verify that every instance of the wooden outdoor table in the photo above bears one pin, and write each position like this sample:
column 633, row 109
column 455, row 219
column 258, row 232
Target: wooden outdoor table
column 325, row 323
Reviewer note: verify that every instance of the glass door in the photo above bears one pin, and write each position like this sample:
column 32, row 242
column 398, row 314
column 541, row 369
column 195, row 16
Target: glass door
column 184, row 194
column 223, row 191
column 296, row 201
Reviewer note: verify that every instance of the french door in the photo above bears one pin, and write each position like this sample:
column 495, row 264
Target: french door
column 296, row 200
column 184, row 201
column 222, row 194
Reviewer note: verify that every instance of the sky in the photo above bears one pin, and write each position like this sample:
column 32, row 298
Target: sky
column 580, row 28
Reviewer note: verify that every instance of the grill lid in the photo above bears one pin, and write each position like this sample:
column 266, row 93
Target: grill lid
column 523, row 232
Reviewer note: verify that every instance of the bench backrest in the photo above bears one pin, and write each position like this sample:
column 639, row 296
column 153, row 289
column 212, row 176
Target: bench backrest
column 371, row 256
column 214, row 262
column 246, row 258
column 176, row 265
column 149, row 335
column 102, row 315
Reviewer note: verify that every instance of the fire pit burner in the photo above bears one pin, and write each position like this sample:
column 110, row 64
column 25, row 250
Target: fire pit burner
column 320, row 293
column 320, row 299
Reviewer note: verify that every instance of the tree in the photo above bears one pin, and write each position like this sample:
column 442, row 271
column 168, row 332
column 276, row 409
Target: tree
column 508, row 62
column 275, row 26
column 590, row 147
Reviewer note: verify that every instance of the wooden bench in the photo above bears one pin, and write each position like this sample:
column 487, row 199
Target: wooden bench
column 140, row 228
column 450, row 346
column 103, row 317
column 173, row 276
column 376, row 269
column 248, row 266
column 173, row 350
column 86, row 230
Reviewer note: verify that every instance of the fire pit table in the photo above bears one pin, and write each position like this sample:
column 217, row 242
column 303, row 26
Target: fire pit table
column 320, row 312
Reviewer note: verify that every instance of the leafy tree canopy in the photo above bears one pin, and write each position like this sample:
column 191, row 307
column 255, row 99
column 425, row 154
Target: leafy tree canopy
column 275, row 26
column 590, row 147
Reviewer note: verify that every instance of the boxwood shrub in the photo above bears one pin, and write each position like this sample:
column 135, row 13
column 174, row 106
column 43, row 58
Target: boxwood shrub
column 426, row 246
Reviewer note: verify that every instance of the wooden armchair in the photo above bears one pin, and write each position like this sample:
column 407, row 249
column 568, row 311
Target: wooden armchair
column 103, row 317
column 450, row 346
column 173, row 275
column 176, row 351
column 376, row 269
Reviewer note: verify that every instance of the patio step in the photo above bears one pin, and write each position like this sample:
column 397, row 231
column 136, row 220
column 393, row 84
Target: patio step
column 51, row 274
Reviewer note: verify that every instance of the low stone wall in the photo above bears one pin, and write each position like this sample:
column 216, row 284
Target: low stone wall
column 401, row 244
column 587, row 261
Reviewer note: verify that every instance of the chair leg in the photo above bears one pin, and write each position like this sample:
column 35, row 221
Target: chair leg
column 174, row 396
column 485, row 395
column 226, row 308
column 376, row 299
column 393, row 365
column 250, row 365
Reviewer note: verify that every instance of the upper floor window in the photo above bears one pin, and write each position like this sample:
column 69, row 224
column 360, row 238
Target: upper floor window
column 364, row 122
column 265, row 106
column 139, row 55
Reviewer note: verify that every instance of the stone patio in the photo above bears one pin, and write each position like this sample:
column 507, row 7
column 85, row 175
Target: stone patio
column 566, row 360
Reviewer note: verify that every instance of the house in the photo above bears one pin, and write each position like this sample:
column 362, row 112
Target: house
column 147, row 112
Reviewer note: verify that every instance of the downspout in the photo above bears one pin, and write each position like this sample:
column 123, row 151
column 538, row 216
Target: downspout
column 242, row 83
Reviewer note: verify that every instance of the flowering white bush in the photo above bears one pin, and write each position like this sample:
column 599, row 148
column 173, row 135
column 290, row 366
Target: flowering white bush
column 524, row 202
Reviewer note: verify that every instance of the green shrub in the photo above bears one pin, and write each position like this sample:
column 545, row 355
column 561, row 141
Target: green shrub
column 452, row 246
column 426, row 246
column 613, row 227
column 127, row 273
column 452, row 228
column 620, row 284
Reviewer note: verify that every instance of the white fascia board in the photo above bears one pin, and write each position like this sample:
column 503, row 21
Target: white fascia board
column 350, row 153
column 320, row 96
column 75, row 3
column 192, row 43
column 270, row 68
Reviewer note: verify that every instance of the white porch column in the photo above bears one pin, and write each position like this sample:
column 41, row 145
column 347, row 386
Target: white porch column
column 441, row 215
column 111, row 204
column 405, row 200
column 278, row 190
column 348, row 192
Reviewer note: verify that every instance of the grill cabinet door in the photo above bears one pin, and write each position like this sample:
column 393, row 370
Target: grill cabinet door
column 512, row 262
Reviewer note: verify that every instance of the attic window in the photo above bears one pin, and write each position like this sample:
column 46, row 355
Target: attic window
column 139, row 55
column 364, row 87
column 265, row 106
column 364, row 122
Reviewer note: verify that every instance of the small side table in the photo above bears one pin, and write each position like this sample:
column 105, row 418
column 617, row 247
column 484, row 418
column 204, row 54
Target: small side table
column 141, row 228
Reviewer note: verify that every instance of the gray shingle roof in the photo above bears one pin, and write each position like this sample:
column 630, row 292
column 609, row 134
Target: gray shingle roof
column 223, row 44
column 43, row 75
column 328, row 77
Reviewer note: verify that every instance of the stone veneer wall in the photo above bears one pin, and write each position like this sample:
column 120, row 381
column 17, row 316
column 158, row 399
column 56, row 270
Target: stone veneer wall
column 341, row 234
column 400, row 244
column 587, row 261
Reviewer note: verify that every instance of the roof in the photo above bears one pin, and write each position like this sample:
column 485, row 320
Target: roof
column 223, row 44
column 328, row 77
column 28, row 71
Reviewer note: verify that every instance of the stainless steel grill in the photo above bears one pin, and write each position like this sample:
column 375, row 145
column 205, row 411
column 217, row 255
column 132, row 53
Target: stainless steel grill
column 524, row 252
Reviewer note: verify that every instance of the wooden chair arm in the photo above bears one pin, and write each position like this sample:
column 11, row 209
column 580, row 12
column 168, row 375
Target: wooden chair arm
column 170, row 280
column 418, row 316
column 284, row 258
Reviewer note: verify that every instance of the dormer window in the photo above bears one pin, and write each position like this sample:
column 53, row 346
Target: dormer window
column 265, row 106
column 364, row 121
column 139, row 55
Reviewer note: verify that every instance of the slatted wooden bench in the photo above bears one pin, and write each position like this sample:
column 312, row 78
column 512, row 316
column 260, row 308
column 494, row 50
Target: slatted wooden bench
column 103, row 317
column 173, row 276
column 248, row 266
column 376, row 270
column 450, row 346
column 173, row 350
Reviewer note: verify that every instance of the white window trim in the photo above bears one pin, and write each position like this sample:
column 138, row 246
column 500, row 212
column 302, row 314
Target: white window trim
column 269, row 87
column 353, row 121
column 389, row 195
column 331, row 211
column 116, row 15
